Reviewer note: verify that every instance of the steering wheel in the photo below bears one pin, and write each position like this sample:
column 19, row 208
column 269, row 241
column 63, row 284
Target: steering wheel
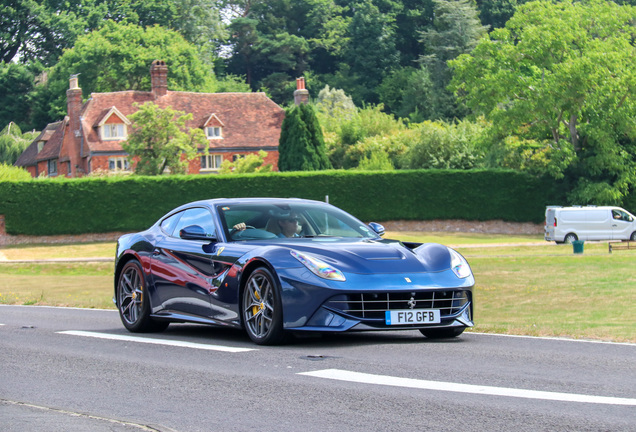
column 234, row 230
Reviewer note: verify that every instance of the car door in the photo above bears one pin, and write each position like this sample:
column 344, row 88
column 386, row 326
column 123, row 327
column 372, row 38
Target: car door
column 622, row 224
column 184, row 271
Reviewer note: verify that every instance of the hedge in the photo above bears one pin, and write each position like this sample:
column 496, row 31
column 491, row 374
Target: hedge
column 94, row 205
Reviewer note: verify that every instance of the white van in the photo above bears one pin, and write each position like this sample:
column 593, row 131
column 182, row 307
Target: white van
column 567, row 224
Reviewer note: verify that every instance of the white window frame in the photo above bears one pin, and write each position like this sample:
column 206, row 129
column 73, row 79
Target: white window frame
column 214, row 132
column 120, row 164
column 211, row 162
column 114, row 131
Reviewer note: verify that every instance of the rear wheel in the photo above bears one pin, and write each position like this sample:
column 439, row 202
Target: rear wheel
column 262, row 310
column 442, row 333
column 571, row 237
column 633, row 236
column 133, row 302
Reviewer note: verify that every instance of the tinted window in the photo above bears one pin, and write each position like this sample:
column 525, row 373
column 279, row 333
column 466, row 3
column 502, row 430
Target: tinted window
column 196, row 216
column 168, row 224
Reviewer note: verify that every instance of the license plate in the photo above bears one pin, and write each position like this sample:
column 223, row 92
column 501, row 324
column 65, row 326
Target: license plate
column 415, row 316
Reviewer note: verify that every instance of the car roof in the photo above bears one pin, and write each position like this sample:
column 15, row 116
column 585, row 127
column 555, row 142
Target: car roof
column 249, row 200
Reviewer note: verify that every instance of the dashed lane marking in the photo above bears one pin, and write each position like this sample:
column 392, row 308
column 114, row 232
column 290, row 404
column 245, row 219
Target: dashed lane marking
column 167, row 342
column 357, row 377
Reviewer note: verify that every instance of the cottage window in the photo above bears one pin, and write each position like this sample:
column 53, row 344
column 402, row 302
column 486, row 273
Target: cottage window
column 52, row 167
column 214, row 132
column 118, row 164
column 40, row 146
column 211, row 162
column 114, row 131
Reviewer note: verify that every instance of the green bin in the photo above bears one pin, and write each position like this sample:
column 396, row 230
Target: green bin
column 577, row 246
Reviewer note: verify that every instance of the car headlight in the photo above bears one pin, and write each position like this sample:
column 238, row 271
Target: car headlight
column 319, row 267
column 459, row 265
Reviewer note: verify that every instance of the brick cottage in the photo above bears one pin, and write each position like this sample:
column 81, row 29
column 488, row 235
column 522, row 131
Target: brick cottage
column 89, row 138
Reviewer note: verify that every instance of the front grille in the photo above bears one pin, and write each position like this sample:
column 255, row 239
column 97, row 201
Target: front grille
column 373, row 305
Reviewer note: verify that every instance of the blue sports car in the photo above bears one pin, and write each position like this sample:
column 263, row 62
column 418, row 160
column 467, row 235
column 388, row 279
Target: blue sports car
column 276, row 266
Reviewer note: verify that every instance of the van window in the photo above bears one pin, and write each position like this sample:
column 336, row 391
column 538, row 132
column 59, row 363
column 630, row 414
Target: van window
column 621, row 215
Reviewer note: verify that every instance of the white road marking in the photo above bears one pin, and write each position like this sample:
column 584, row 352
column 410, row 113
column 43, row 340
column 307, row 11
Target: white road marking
column 123, row 423
column 343, row 375
column 167, row 342
column 554, row 338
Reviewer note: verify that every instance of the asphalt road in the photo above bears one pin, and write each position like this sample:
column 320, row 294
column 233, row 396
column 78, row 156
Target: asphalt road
column 79, row 370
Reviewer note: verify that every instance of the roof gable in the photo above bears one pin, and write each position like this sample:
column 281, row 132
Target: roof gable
column 213, row 121
column 113, row 114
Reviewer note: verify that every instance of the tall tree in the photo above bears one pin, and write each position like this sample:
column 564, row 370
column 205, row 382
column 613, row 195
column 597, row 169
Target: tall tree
column 117, row 57
column 371, row 51
column 563, row 77
column 41, row 30
column 13, row 142
column 456, row 30
column 16, row 83
column 301, row 145
column 160, row 140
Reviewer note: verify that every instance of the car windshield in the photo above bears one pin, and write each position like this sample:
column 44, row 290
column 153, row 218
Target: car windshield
column 261, row 221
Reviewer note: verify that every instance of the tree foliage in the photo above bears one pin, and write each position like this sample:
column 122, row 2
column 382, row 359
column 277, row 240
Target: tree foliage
column 33, row 30
column 118, row 57
column 251, row 163
column 563, row 75
column 160, row 140
column 13, row 142
column 17, row 82
column 456, row 30
column 301, row 145
column 12, row 173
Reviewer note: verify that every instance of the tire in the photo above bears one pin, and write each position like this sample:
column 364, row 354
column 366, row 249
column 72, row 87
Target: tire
column 133, row 302
column 442, row 333
column 633, row 236
column 569, row 238
column 262, row 310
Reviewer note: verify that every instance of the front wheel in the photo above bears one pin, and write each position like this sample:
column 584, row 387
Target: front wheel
column 262, row 310
column 442, row 333
column 633, row 236
column 133, row 302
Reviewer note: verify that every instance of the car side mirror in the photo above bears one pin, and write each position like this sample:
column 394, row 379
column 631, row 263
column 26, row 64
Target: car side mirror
column 196, row 232
column 377, row 228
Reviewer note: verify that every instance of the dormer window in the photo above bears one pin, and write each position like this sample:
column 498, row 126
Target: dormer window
column 113, row 125
column 213, row 127
column 40, row 146
column 114, row 131
column 214, row 132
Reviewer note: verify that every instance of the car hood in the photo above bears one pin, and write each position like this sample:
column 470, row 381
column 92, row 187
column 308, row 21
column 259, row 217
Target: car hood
column 371, row 256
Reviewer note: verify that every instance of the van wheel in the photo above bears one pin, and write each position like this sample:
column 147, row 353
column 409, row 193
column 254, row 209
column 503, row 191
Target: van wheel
column 570, row 238
column 633, row 236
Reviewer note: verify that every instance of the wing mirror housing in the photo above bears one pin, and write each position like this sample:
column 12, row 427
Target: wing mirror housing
column 196, row 232
column 377, row 228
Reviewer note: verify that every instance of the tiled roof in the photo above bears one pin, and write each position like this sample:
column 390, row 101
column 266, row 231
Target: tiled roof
column 30, row 155
column 250, row 120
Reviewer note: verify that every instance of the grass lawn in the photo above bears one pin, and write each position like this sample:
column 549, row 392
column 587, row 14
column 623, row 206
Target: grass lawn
column 528, row 288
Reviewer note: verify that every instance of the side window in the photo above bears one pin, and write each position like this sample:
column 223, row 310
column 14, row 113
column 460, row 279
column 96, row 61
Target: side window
column 168, row 224
column 196, row 216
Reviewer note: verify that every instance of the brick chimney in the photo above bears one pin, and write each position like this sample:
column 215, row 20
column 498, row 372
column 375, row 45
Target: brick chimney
column 159, row 78
column 74, row 110
column 74, row 103
column 301, row 94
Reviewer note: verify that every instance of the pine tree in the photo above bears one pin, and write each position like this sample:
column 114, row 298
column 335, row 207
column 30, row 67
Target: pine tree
column 301, row 146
